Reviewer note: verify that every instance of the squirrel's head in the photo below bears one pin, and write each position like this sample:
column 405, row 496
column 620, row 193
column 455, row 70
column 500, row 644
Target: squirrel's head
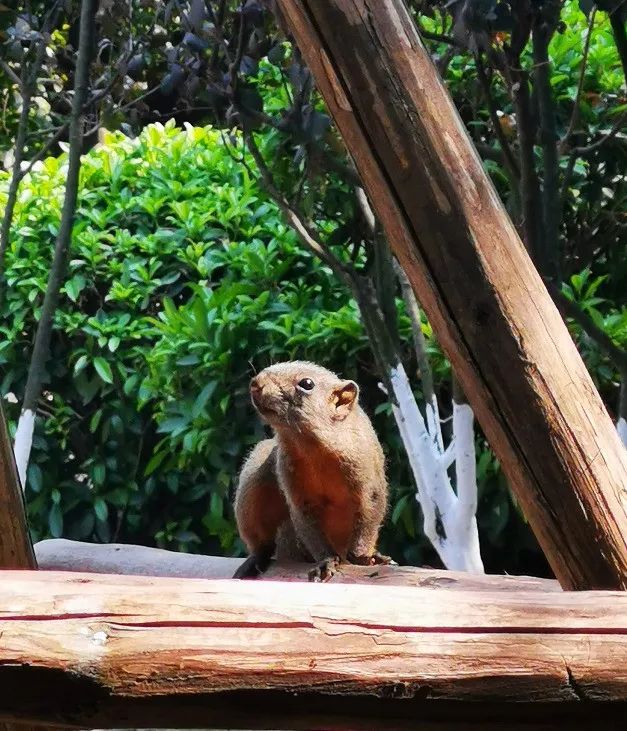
column 301, row 396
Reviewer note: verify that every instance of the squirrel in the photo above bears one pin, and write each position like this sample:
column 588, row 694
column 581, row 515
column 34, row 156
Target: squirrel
column 316, row 491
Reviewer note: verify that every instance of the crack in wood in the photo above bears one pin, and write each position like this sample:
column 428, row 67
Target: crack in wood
column 574, row 685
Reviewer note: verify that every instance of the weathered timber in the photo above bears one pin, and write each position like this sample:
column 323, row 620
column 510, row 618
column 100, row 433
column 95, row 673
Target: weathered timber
column 16, row 551
column 488, row 306
column 94, row 646
column 60, row 554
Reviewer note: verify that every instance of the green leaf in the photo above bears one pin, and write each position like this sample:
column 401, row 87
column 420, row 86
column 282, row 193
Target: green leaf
column 74, row 286
column 177, row 423
column 155, row 462
column 216, row 504
column 103, row 369
column 203, row 397
column 95, row 420
column 83, row 527
column 80, row 364
column 34, row 477
column 98, row 473
column 55, row 521
column 188, row 360
column 399, row 508
column 130, row 384
column 276, row 54
column 408, row 523
column 101, row 509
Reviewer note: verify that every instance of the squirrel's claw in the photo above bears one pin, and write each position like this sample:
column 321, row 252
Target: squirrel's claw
column 376, row 559
column 325, row 569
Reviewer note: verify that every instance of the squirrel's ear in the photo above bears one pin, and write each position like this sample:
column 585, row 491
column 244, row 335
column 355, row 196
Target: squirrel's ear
column 344, row 398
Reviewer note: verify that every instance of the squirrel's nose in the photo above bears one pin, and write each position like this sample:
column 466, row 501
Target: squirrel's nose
column 255, row 387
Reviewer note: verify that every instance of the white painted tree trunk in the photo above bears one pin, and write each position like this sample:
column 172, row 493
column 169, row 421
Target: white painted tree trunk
column 621, row 426
column 449, row 519
column 23, row 443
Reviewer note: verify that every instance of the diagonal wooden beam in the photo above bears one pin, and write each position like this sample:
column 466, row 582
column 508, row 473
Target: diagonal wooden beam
column 488, row 306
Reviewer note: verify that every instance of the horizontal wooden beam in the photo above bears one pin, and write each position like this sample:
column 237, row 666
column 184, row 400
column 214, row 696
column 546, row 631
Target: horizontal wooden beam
column 81, row 649
column 60, row 554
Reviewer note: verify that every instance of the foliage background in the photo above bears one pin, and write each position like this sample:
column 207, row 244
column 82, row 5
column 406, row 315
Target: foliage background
column 184, row 280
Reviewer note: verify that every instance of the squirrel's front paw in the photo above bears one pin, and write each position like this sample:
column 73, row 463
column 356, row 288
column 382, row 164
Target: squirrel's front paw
column 375, row 559
column 380, row 559
column 325, row 569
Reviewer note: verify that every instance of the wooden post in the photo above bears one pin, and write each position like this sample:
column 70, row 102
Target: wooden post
column 98, row 651
column 488, row 306
column 16, row 551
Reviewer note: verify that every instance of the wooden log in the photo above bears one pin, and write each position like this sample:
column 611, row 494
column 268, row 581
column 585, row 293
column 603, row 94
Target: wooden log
column 59, row 554
column 16, row 551
column 488, row 306
column 95, row 645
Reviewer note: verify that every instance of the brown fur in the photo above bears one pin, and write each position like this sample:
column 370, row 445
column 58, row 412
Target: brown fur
column 317, row 489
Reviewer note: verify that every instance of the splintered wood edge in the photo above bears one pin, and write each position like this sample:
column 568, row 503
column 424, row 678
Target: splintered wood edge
column 130, row 560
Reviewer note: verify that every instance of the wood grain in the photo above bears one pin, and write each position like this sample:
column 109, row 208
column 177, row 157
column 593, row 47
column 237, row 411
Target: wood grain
column 107, row 639
column 488, row 306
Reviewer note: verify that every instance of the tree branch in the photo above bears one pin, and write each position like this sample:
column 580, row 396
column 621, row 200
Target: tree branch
column 529, row 184
column 305, row 233
column 16, row 171
column 582, row 73
column 39, row 358
column 15, row 79
column 508, row 155
column 236, row 62
column 438, row 37
column 583, row 150
column 424, row 366
column 551, row 200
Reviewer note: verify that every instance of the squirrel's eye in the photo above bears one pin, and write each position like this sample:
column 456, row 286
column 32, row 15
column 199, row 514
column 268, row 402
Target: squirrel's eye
column 306, row 384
